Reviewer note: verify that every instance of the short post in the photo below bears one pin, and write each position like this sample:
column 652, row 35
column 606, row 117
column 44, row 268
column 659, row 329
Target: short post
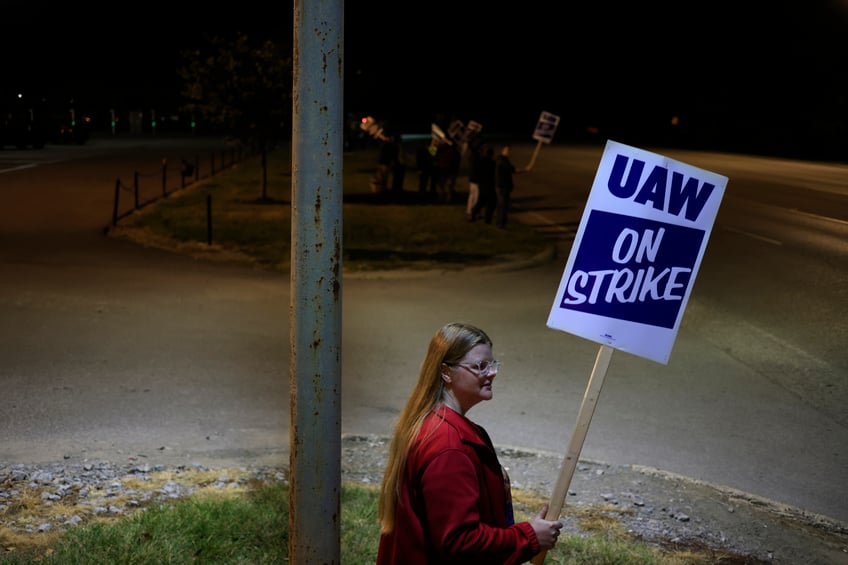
column 115, row 207
column 164, row 177
column 135, row 188
column 212, row 164
column 209, row 219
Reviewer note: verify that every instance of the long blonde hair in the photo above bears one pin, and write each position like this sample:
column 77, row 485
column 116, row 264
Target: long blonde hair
column 448, row 345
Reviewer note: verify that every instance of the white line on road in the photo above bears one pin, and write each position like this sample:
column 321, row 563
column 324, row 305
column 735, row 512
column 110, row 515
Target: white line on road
column 19, row 167
column 753, row 235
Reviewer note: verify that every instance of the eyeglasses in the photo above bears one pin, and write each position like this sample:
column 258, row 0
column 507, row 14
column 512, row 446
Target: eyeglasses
column 480, row 369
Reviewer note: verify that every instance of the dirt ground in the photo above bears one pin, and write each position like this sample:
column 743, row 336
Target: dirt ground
column 655, row 506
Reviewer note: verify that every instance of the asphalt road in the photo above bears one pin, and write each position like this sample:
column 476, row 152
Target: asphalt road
column 111, row 350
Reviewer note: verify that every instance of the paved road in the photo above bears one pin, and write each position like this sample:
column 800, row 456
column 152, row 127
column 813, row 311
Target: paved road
column 116, row 351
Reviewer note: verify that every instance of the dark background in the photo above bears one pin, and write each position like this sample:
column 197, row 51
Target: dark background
column 754, row 77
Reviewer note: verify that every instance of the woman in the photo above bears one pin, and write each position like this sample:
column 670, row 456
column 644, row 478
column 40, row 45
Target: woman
column 445, row 497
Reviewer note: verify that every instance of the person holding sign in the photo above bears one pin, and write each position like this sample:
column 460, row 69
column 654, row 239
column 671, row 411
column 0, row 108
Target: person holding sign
column 504, row 183
column 445, row 498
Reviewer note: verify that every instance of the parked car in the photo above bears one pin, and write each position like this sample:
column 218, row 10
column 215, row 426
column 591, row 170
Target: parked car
column 72, row 133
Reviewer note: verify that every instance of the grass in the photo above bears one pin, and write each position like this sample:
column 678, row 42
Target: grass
column 380, row 231
column 252, row 527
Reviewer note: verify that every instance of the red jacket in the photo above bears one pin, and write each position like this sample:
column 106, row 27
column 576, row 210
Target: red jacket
column 454, row 501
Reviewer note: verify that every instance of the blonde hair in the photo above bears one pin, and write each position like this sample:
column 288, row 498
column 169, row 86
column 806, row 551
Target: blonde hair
column 448, row 345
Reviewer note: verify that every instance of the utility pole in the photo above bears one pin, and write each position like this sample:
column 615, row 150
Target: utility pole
column 316, row 284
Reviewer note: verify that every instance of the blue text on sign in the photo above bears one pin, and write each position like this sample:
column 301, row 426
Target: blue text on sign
column 657, row 190
column 632, row 268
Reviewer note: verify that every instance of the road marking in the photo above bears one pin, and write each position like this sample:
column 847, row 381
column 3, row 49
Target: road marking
column 19, row 167
column 753, row 235
column 818, row 217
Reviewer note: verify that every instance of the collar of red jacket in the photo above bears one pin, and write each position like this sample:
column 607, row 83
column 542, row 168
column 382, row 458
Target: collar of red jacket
column 468, row 431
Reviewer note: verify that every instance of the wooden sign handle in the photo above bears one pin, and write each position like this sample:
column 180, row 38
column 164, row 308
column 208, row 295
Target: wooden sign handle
column 584, row 417
column 535, row 154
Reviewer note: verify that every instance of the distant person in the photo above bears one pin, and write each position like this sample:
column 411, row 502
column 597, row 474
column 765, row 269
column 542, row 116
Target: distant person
column 398, row 166
column 474, row 155
column 386, row 159
column 504, row 184
column 448, row 160
column 445, row 498
column 424, row 165
column 485, row 173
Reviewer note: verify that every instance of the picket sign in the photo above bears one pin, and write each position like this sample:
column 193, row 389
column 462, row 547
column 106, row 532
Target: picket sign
column 631, row 269
column 544, row 133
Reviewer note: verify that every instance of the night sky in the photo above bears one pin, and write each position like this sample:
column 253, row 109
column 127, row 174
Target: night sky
column 767, row 76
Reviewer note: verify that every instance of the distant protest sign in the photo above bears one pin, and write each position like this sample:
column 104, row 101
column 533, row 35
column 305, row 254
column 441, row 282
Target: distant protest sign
column 546, row 127
column 637, row 251
column 438, row 135
column 543, row 134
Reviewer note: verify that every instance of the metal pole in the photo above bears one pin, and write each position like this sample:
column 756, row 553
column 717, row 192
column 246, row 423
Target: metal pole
column 316, row 284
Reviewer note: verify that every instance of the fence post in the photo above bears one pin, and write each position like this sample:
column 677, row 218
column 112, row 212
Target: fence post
column 209, row 219
column 115, row 207
column 164, row 177
column 135, row 188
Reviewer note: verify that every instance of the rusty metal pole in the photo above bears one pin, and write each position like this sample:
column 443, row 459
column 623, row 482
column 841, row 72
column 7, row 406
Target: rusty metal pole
column 316, row 284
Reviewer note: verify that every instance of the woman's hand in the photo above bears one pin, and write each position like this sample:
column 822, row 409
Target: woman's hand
column 547, row 531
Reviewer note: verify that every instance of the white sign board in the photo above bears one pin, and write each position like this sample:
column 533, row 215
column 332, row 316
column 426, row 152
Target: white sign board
column 438, row 135
column 461, row 133
column 456, row 131
column 637, row 251
column 546, row 127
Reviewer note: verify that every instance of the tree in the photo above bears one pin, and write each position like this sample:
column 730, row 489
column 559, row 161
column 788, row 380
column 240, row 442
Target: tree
column 242, row 85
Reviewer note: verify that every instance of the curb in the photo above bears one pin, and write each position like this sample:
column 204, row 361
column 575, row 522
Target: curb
column 510, row 263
